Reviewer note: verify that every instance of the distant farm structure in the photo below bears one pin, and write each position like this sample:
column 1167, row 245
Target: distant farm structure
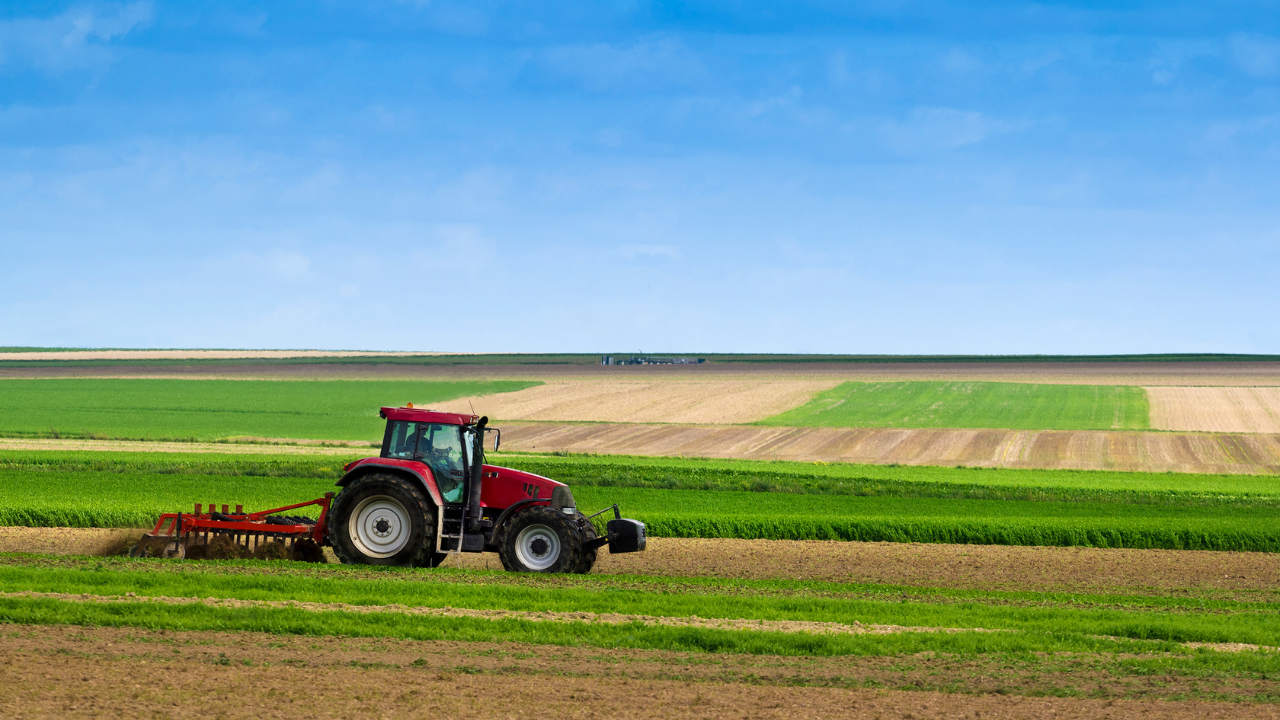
column 650, row 360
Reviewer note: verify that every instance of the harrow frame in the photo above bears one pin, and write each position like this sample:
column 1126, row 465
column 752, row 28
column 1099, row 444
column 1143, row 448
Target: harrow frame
column 180, row 528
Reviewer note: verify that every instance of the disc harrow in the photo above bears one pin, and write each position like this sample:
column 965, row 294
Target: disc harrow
column 209, row 534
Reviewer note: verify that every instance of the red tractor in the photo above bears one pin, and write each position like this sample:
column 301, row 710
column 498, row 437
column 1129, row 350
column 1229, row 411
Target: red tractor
column 428, row 494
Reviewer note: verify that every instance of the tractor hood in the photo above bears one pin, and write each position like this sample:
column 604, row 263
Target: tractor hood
column 503, row 487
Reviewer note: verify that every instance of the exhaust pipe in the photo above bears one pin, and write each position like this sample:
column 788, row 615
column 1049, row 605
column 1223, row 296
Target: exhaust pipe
column 477, row 475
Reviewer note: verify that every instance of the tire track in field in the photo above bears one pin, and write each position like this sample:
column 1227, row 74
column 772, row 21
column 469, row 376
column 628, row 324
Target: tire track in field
column 784, row 626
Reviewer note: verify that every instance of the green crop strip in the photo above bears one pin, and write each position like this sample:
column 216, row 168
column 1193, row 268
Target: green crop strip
column 1178, row 600
column 212, row 409
column 936, row 404
column 41, row 611
column 98, row 499
column 781, row 500
column 421, row 590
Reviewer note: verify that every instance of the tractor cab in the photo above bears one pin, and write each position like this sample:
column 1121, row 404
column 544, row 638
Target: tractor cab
column 450, row 450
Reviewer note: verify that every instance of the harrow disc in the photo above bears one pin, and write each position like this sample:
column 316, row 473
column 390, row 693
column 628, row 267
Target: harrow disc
column 158, row 547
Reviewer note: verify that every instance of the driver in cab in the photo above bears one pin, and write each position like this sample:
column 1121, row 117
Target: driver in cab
column 441, row 448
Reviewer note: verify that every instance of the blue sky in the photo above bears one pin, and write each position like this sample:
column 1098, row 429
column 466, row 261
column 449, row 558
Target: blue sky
column 891, row 177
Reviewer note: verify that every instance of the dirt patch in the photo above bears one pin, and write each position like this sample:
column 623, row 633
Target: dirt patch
column 130, row 672
column 68, row 541
column 695, row 400
column 1215, row 409
column 1047, row 449
column 590, row 618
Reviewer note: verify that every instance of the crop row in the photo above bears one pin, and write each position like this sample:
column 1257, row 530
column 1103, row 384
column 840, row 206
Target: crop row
column 108, row 499
column 487, row 591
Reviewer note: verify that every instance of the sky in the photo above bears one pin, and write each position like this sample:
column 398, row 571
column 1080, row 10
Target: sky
column 827, row 177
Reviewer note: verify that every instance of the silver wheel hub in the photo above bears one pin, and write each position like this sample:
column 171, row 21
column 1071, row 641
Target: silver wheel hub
column 538, row 547
column 379, row 526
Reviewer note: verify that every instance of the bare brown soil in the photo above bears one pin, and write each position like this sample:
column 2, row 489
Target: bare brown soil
column 699, row 400
column 979, row 567
column 68, row 541
column 1049, row 449
column 100, row 672
column 1215, row 409
column 1142, row 374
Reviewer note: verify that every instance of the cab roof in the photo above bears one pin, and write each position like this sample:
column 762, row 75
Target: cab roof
column 428, row 416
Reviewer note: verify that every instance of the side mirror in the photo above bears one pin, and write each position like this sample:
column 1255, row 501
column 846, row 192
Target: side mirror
column 497, row 437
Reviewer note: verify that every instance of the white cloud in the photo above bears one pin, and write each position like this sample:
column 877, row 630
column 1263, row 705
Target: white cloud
column 940, row 128
column 288, row 264
column 1257, row 56
column 77, row 38
column 601, row 66
column 631, row 252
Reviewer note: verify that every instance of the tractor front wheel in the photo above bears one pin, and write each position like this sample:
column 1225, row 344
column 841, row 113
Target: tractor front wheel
column 382, row 519
column 540, row 539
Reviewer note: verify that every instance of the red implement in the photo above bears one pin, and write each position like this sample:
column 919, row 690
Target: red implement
column 175, row 533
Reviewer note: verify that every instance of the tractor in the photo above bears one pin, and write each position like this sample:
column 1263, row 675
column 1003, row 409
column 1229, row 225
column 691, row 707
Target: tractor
column 428, row 495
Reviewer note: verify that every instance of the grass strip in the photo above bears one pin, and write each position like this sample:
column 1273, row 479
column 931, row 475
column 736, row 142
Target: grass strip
column 288, row 621
column 1253, row 626
column 1175, row 601
column 96, row 499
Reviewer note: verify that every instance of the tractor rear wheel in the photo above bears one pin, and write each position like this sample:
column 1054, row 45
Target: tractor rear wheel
column 382, row 519
column 540, row 539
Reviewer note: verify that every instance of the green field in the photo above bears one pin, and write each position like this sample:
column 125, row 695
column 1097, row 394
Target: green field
column 709, row 498
column 214, row 409
column 937, row 404
column 1168, row 619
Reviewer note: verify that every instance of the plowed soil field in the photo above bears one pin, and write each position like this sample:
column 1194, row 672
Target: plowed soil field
column 59, row 671
column 1215, row 409
column 639, row 401
column 1050, row 449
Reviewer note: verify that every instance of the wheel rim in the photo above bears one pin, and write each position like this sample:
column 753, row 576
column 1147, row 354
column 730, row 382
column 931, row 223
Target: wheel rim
column 538, row 547
column 380, row 526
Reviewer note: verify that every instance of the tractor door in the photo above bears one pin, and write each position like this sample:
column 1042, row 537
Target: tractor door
column 440, row 446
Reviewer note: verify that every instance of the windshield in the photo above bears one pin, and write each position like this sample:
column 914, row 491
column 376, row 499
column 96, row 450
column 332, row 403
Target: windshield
column 439, row 446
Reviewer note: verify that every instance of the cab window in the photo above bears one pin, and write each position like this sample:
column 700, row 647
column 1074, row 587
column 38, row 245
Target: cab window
column 402, row 441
